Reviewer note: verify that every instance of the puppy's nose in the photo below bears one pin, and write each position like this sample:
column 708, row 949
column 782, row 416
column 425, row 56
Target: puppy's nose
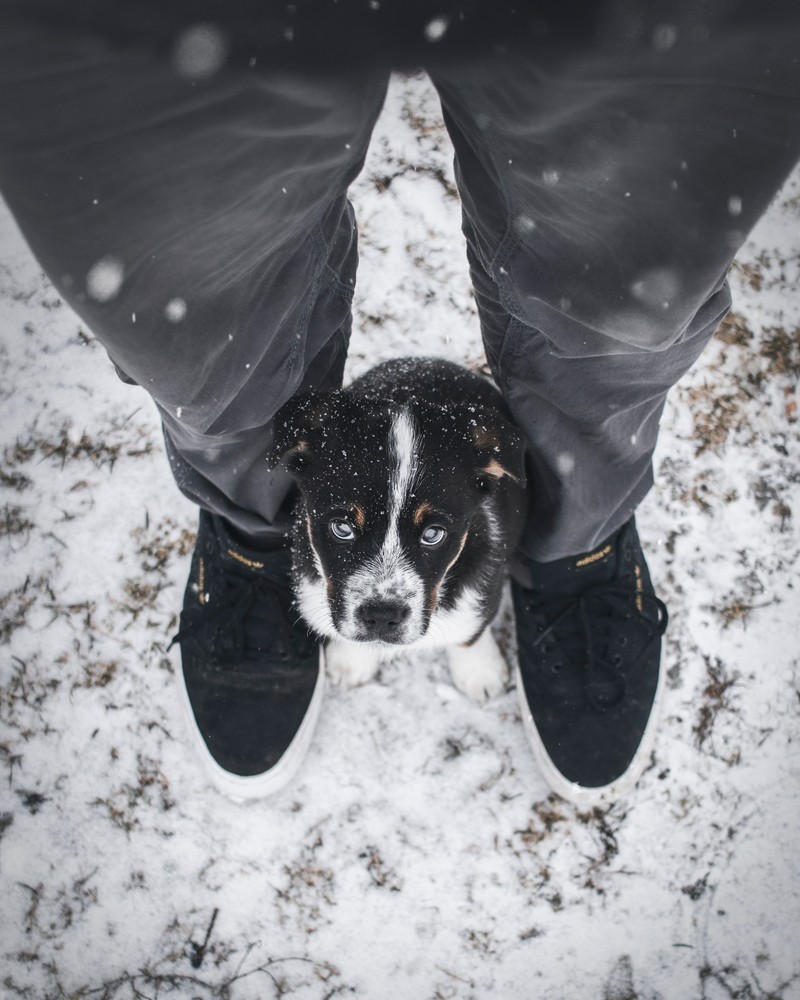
column 382, row 619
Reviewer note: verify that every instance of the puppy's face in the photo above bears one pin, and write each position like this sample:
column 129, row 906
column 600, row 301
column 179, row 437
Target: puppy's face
column 391, row 500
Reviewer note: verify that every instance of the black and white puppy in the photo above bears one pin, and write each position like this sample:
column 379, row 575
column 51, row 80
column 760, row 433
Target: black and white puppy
column 411, row 502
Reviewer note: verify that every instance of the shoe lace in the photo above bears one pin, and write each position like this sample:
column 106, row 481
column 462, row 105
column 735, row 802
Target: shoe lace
column 252, row 616
column 581, row 626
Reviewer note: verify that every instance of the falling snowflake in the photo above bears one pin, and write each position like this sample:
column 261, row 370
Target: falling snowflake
column 104, row 279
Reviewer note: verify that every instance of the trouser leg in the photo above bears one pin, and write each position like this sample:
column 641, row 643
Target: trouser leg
column 198, row 223
column 606, row 189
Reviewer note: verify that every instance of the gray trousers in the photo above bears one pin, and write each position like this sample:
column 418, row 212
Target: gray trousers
column 193, row 210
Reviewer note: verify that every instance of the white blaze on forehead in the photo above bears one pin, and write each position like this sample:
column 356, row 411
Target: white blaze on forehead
column 403, row 444
column 402, row 448
column 392, row 568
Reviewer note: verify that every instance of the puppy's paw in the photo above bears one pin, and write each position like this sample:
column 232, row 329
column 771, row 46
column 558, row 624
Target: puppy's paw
column 478, row 671
column 350, row 663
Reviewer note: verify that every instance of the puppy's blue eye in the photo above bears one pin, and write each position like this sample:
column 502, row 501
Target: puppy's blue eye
column 342, row 531
column 432, row 536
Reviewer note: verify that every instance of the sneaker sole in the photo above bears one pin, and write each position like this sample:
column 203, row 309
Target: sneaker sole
column 245, row 788
column 582, row 795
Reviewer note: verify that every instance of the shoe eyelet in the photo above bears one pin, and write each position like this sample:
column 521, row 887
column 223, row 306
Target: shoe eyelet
column 616, row 659
column 555, row 668
column 622, row 640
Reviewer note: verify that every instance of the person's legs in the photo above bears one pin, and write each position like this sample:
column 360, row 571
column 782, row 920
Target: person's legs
column 193, row 211
column 606, row 188
column 197, row 220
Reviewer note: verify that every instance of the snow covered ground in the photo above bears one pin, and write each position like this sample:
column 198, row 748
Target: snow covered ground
column 418, row 855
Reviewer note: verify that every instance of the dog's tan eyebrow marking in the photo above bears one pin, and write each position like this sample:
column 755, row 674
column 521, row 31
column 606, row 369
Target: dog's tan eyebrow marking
column 424, row 510
column 494, row 468
column 359, row 516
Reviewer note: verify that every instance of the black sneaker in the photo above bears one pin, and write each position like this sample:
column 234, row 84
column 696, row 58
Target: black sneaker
column 589, row 680
column 252, row 674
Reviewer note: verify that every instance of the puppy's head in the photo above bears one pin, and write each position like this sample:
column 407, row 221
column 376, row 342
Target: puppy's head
column 394, row 499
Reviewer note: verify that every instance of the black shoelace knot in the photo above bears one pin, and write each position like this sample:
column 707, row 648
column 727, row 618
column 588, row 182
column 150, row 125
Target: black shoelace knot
column 252, row 617
column 583, row 630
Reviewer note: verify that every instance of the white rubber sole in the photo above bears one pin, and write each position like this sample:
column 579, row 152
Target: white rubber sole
column 581, row 795
column 246, row 788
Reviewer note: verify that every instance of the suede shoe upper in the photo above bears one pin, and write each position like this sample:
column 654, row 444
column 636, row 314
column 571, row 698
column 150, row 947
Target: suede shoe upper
column 250, row 666
column 589, row 645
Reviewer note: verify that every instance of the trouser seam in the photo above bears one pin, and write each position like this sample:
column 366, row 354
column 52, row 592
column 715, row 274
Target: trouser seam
column 509, row 239
column 324, row 274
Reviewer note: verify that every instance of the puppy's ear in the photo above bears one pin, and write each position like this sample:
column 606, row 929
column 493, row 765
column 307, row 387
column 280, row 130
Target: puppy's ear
column 499, row 446
column 297, row 428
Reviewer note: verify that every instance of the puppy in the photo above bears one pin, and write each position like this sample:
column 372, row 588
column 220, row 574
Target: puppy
column 411, row 502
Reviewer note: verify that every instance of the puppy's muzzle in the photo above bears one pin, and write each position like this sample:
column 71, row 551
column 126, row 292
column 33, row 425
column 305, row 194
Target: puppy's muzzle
column 382, row 621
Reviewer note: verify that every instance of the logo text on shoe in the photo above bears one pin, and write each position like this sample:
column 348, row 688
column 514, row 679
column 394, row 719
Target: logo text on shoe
column 594, row 557
column 243, row 559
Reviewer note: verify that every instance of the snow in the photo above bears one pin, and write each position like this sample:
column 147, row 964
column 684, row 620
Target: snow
column 418, row 853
